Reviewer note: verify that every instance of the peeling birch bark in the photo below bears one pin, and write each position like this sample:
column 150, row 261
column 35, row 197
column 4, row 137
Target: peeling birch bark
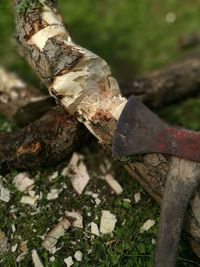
column 82, row 83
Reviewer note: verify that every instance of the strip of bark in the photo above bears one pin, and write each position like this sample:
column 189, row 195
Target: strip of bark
column 166, row 86
column 82, row 83
column 20, row 102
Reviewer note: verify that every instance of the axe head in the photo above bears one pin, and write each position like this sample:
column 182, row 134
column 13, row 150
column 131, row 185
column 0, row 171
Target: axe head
column 140, row 131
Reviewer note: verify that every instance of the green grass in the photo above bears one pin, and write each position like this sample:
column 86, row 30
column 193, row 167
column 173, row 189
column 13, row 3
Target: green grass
column 134, row 37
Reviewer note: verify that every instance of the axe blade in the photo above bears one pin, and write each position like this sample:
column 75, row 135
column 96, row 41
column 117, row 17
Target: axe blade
column 140, row 131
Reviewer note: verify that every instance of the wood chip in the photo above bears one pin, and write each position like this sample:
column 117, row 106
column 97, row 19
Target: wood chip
column 54, row 194
column 53, row 176
column 94, row 229
column 77, row 172
column 137, row 197
column 23, row 182
column 3, row 243
column 116, row 187
column 108, row 221
column 29, row 200
column 69, row 261
column 4, row 194
column 76, row 218
column 21, row 257
column 58, row 231
column 36, row 260
column 147, row 225
column 78, row 255
column 14, row 248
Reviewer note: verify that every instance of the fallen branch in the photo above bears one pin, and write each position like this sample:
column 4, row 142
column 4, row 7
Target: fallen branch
column 47, row 140
column 82, row 83
column 167, row 86
column 20, row 102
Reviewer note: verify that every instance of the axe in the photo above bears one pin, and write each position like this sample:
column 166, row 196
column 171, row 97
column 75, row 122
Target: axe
column 140, row 131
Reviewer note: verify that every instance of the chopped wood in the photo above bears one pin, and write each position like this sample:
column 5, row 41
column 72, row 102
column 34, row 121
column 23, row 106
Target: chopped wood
column 75, row 218
column 23, row 182
column 77, row 172
column 94, row 229
column 78, row 255
column 3, row 243
column 14, row 247
column 58, row 231
column 54, row 194
column 137, row 197
column 116, row 187
column 29, row 200
column 69, row 261
column 147, row 225
column 108, row 221
column 4, row 193
column 53, row 176
column 36, row 260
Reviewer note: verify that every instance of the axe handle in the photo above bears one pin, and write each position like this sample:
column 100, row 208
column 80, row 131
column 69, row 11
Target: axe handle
column 178, row 192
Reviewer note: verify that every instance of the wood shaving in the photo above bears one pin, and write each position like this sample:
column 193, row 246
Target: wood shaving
column 58, row 231
column 21, row 257
column 4, row 194
column 78, row 255
column 29, row 200
column 53, row 176
column 52, row 259
column 3, row 243
column 69, row 261
column 36, row 260
column 23, row 182
column 14, row 247
column 116, row 187
column 97, row 202
column 76, row 217
column 108, row 221
column 137, row 197
column 147, row 225
column 77, row 172
column 54, row 194
column 94, row 229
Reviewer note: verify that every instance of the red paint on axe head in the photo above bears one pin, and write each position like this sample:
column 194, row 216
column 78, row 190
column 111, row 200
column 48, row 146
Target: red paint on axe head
column 140, row 131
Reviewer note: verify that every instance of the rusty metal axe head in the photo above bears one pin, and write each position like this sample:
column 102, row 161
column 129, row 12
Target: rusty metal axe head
column 140, row 131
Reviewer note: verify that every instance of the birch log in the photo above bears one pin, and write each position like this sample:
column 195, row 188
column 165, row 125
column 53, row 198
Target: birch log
column 82, row 83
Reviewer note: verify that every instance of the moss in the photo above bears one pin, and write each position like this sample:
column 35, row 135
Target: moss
column 28, row 5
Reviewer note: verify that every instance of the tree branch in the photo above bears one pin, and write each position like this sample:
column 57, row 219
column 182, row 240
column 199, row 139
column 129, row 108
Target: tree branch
column 160, row 88
column 47, row 140
column 20, row 102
